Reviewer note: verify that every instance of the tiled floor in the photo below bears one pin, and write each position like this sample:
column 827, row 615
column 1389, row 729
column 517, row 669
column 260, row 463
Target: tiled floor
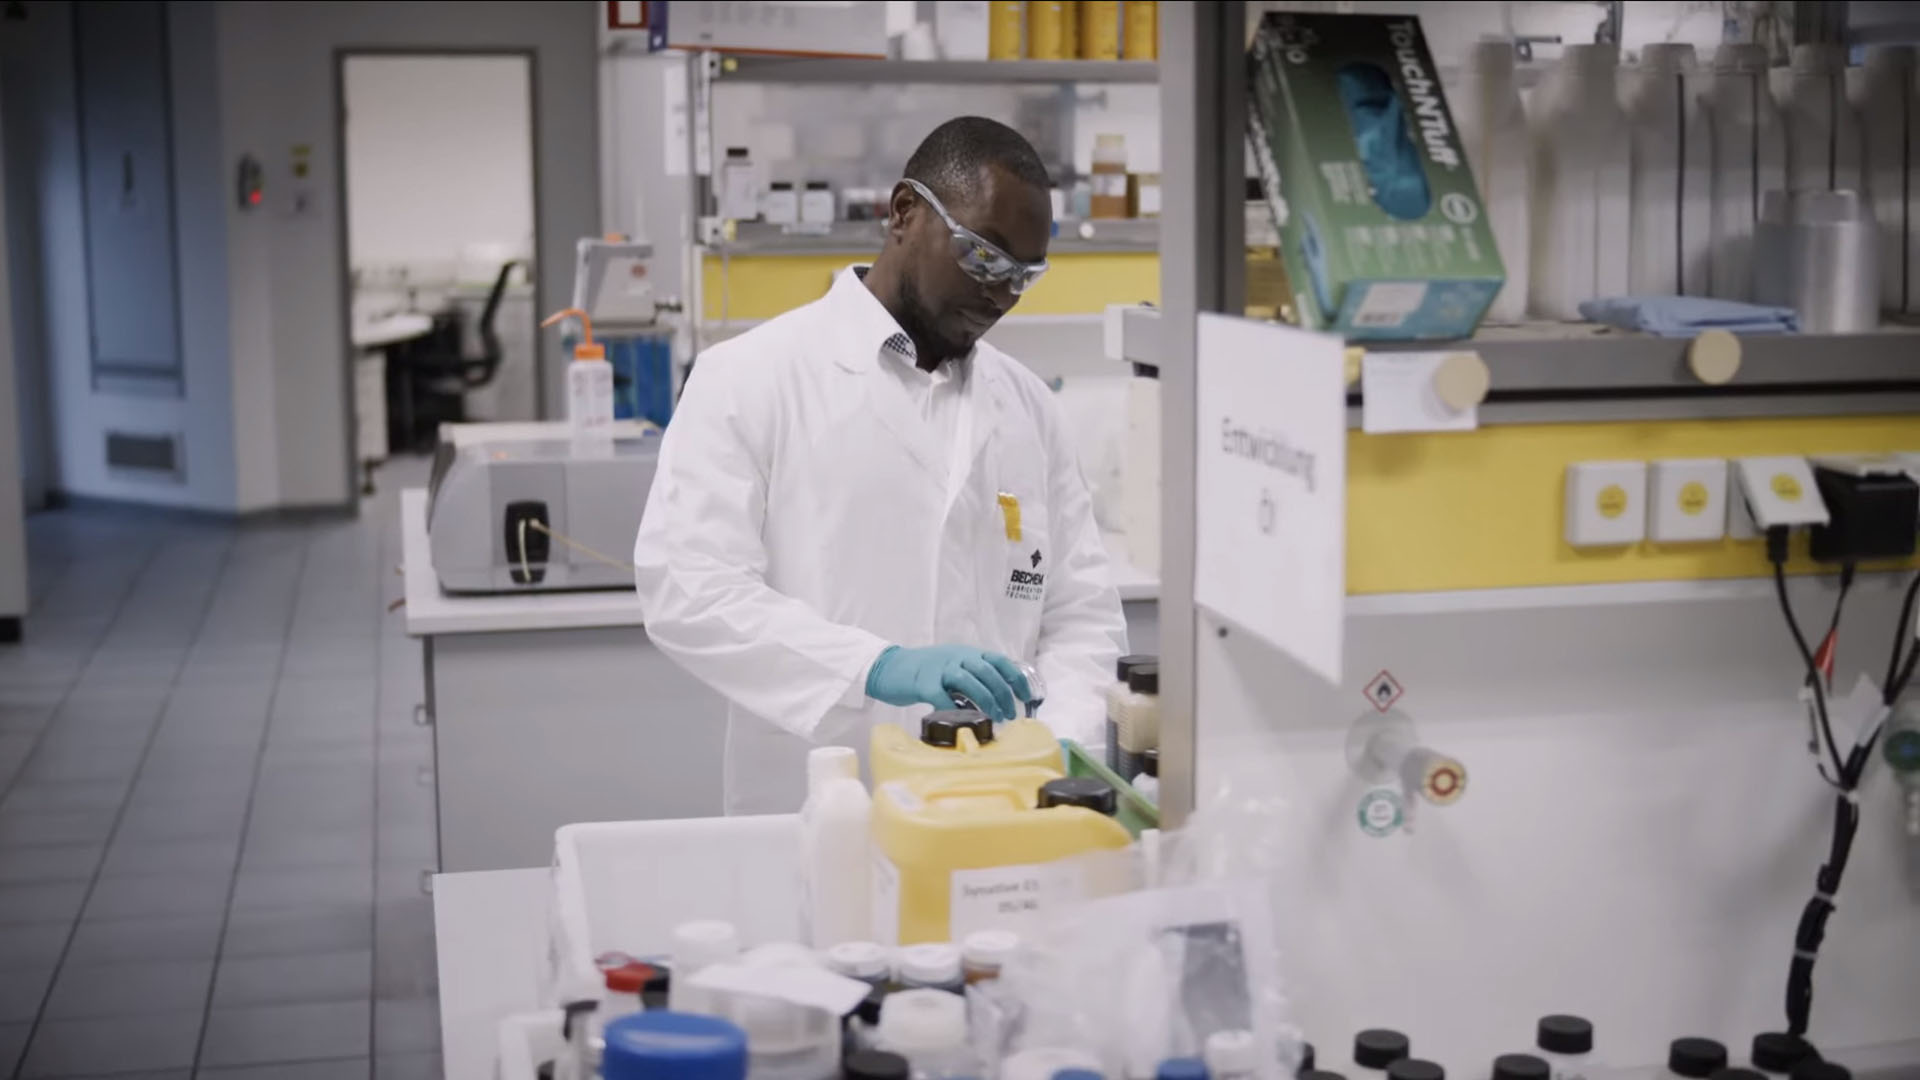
column 214, row 809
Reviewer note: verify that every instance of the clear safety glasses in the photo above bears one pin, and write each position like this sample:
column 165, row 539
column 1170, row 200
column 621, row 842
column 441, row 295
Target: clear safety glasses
column 984, row 262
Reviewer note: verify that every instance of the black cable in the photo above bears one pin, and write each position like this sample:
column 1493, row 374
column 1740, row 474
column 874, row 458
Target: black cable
column 1813, row 670
column 1895, row 681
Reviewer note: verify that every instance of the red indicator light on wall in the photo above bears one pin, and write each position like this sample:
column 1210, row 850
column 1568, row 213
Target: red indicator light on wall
column 249, row 178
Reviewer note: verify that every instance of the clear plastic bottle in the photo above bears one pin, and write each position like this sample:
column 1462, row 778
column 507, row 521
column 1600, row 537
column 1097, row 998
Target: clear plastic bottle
column 928, row 1028
column 1493, row 131
column 1566, row 1042
column 1581, row 176
column 1412, row 1068
column 1137, row 724
column 1671, row 200
column 696, row 946
column 932, row 966
column 1749, row 158
column 1521, row 1067
column 1694, row 1058
column 1116, row 694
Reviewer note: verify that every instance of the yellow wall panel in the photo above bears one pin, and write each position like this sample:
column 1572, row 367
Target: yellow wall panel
column 763, row 286
column 1482, row 509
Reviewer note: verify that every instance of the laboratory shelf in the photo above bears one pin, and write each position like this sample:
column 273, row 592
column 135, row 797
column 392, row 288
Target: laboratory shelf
column 863, row 238
column 783, row 69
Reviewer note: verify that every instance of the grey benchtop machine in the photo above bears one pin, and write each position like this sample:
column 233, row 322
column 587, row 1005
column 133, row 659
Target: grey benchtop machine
column 515, row 508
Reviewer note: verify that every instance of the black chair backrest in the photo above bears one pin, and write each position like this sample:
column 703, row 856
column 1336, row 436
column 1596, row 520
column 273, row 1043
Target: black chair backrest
column 487, row 364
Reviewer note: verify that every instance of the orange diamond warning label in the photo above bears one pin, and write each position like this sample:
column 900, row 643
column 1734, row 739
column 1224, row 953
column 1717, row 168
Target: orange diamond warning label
column 1383, row 690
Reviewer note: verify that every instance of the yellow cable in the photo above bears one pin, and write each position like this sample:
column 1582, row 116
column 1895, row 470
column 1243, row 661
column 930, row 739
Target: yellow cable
column 580, row 547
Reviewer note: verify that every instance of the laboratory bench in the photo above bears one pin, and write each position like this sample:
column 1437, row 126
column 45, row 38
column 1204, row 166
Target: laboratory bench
column 553, row 708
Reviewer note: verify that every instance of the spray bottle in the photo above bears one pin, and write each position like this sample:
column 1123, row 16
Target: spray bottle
column 589, row 390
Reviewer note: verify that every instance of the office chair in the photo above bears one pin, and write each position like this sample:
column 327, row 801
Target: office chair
column 436, row 373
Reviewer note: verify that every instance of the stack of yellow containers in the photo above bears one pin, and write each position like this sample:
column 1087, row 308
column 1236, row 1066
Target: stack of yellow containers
column 1073, row 29
column 970, row 825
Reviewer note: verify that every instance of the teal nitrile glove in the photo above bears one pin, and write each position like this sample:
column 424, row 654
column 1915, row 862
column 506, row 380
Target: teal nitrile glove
column 931, row 675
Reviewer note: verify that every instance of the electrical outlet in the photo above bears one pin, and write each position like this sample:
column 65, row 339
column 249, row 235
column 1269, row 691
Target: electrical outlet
column 1780, row 491
column 1606, row 503
column 1687, row 500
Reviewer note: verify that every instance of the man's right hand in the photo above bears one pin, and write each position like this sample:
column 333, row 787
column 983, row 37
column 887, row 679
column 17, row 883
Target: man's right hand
column 933, row 674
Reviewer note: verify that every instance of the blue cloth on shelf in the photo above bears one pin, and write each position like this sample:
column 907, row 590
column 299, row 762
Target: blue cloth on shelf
column 1685, row 316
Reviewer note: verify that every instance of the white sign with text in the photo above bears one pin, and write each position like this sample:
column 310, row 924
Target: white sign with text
column 1271, row 486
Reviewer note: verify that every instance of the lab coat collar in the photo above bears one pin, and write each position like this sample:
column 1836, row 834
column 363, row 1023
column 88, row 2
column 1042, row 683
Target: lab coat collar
column 863, row 322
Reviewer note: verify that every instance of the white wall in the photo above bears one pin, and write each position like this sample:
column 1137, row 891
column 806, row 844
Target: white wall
column 289, row 312
column 39, row 56
column 439, row 158
column 1640, row 829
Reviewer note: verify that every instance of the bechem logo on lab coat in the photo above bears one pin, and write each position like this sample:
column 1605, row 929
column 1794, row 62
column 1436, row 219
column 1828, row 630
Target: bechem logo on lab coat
column 1027, row 584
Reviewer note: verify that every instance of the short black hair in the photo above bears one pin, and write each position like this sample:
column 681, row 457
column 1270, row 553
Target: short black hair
column 949, row 158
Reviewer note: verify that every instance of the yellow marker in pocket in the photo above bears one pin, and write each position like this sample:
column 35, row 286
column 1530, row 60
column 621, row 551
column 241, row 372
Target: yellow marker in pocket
column 1010, row 513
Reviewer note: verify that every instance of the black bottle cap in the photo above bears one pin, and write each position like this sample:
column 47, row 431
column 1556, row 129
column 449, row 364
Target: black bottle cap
column 1739, row 1074
column 1087, row 791
column 1561, row 1034
column 1306, row 1048
column 736, row 151
column 869, row 1008
column 942, row 728
column 1150, row 764
column 1779, row 1052
column 1377, row 1048
column 781, row 185
column 1144, row 679
column 1520, row 1067
column 1695, row 1057
column 875, row 1065
column 1130, row 661
column 816, row 185
column 1412, row 1068
column 1813, row 1068
column 1322, row 1074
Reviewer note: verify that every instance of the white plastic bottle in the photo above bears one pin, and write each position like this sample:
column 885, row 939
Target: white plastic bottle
column 1823, row 131
column 836, row 849
column 1671, row 198
column 1493, row 129
column 929, row 1029
column 589, row 390
column 696, row 946
column 1749, row 158
column 1888, row 100
column 1581, row 178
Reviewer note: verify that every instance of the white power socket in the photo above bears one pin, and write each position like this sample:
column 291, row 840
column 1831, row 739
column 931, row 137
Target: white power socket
column 1780, row 491
column 1688, row 500
column 1606, row 503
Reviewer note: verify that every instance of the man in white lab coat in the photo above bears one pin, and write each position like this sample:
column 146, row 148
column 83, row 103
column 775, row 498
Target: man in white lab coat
column 862, row 509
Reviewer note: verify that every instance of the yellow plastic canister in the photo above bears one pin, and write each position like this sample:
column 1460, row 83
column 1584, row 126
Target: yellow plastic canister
column 1142, row 30
column 959, row 740
column 1046, row 30
column 1006, row 26
column 1100, row 30
column 960, row 852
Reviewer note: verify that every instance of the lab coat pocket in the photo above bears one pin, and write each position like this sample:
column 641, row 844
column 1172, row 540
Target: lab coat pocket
column 1023, row 585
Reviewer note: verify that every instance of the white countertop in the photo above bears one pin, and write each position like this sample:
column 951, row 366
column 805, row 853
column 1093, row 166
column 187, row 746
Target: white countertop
column 490, row 934
column 391, row 329
column 430, row 611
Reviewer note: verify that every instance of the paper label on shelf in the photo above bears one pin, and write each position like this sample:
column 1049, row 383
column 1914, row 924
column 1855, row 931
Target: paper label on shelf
column 1271, row 486
column 1388, row 303
column 886, row 900
column 1397, row 394
column 1008, row 897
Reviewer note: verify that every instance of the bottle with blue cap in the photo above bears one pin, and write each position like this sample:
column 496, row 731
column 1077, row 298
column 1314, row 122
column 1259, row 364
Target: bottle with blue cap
column 1181, row 1068
column 673, row 1046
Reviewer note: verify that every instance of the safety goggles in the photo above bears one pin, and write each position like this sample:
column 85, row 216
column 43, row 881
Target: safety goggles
column 983, row 261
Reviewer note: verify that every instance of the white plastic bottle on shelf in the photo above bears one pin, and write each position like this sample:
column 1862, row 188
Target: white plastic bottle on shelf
column 1671, row 198
column 836, row 849
column 1749, row 158
column 1580, row 180
column 1823, row 131
column 696, row 946
column 1493, row 129
column 1887, row 98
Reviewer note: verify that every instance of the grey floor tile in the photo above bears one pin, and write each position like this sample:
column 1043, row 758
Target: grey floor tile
column 267, row 890
column 289, row 848
column 246, row 981
column 344, row 1069
column 31, row 944
column 323, row 929
column 406, row 1026
column 408, row 841
column 186, row 821
column 405, row 963
column 126, row 988
column 407, row 1067
column 276, row 1033
column 42, row 902
column 75, row 1048
column 23, row 988
column 148, row 895
column 13, row 1041
column 172, row 937
column 65, row 862
column 58, row 797
column 31, row 828
column 133, row 857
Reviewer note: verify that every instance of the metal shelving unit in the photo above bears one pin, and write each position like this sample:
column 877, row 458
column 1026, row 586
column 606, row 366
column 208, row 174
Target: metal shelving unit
column 781, row 69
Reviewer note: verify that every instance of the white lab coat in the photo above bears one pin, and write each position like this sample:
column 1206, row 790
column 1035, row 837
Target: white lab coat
column 803, row 519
